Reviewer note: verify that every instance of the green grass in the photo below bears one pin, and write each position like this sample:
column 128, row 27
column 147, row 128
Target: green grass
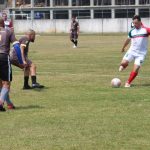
column 78, row 110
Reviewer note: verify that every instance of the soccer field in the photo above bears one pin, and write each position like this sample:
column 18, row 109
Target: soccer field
column 78, row 109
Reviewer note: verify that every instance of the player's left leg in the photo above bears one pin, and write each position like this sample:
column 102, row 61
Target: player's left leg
column 6, row 78
column 76, row 39
column 72, row 37
column 137, row 64
column 33, row 76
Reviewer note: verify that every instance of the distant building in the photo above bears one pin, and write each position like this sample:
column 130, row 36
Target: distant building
column 86, row 9
column 97, row 14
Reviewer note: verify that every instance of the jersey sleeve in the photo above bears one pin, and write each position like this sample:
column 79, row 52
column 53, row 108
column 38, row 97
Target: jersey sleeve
column 23, row 42
column 129, row 35
column 148, row 30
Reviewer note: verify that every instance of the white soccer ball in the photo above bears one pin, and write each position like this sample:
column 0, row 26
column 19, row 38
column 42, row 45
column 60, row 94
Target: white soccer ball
column 116, row 82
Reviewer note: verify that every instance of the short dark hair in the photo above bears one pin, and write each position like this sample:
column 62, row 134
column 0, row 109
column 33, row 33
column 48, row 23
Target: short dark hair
column 136, row 17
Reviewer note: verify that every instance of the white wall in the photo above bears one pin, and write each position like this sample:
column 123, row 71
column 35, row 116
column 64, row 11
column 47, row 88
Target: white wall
column 86, row 25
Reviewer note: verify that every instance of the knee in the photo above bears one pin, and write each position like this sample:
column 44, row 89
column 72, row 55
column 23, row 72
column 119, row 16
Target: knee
column 6, row 84
column 33, row 66
column 124, row 64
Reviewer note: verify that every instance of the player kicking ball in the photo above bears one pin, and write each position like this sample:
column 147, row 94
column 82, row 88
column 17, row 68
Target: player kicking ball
column 138, row 48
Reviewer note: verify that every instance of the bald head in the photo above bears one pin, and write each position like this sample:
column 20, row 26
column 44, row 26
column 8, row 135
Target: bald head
column 30, row 31
column 31, row 35
column 1, row 22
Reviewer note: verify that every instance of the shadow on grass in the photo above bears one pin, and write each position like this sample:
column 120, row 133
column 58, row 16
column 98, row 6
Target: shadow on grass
column 141, row 85
column 29, row 107
column 40, row 89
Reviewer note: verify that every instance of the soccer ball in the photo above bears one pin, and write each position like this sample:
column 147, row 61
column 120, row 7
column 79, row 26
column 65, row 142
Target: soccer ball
column 115, row 82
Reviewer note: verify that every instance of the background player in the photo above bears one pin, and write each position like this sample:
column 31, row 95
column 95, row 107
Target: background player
column 74, row 32
column 138, row 49
column 7, row 23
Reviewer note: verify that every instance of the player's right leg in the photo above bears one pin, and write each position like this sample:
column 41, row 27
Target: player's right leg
column 128, row 57
column 72, row 38
column 6, row 78
column 26, row 85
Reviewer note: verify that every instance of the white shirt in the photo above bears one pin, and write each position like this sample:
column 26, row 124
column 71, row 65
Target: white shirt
column 139, row 40
column 7, row 24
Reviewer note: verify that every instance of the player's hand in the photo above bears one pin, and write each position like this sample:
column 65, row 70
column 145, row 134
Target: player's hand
column 25, row 64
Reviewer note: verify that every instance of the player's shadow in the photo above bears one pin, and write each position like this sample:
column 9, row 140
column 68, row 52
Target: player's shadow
column 141, row 85
column 40, row 89
column 29, row 107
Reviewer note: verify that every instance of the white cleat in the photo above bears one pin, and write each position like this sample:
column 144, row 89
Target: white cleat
column 121, row 68
column 74, row 46
column 127, row 85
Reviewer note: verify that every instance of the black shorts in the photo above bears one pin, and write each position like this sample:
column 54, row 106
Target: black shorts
column 74, row 35
column 14, row 59
column 5, row 68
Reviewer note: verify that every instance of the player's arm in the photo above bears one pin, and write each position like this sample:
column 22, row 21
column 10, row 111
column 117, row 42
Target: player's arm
column 22, row 47
column 125, row 44
column 71, row 28
column 148, row 30
column 11, row 26
column 78, row 29
column 16, row 46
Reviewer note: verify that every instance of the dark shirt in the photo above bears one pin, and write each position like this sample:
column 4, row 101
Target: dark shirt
column 6, row 38
column 74, row 26
column 24, row 41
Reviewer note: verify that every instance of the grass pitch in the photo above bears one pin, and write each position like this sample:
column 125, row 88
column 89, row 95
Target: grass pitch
column 78, row 110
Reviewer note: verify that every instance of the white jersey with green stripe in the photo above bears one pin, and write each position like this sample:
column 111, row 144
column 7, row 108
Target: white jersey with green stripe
column 139, row 40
